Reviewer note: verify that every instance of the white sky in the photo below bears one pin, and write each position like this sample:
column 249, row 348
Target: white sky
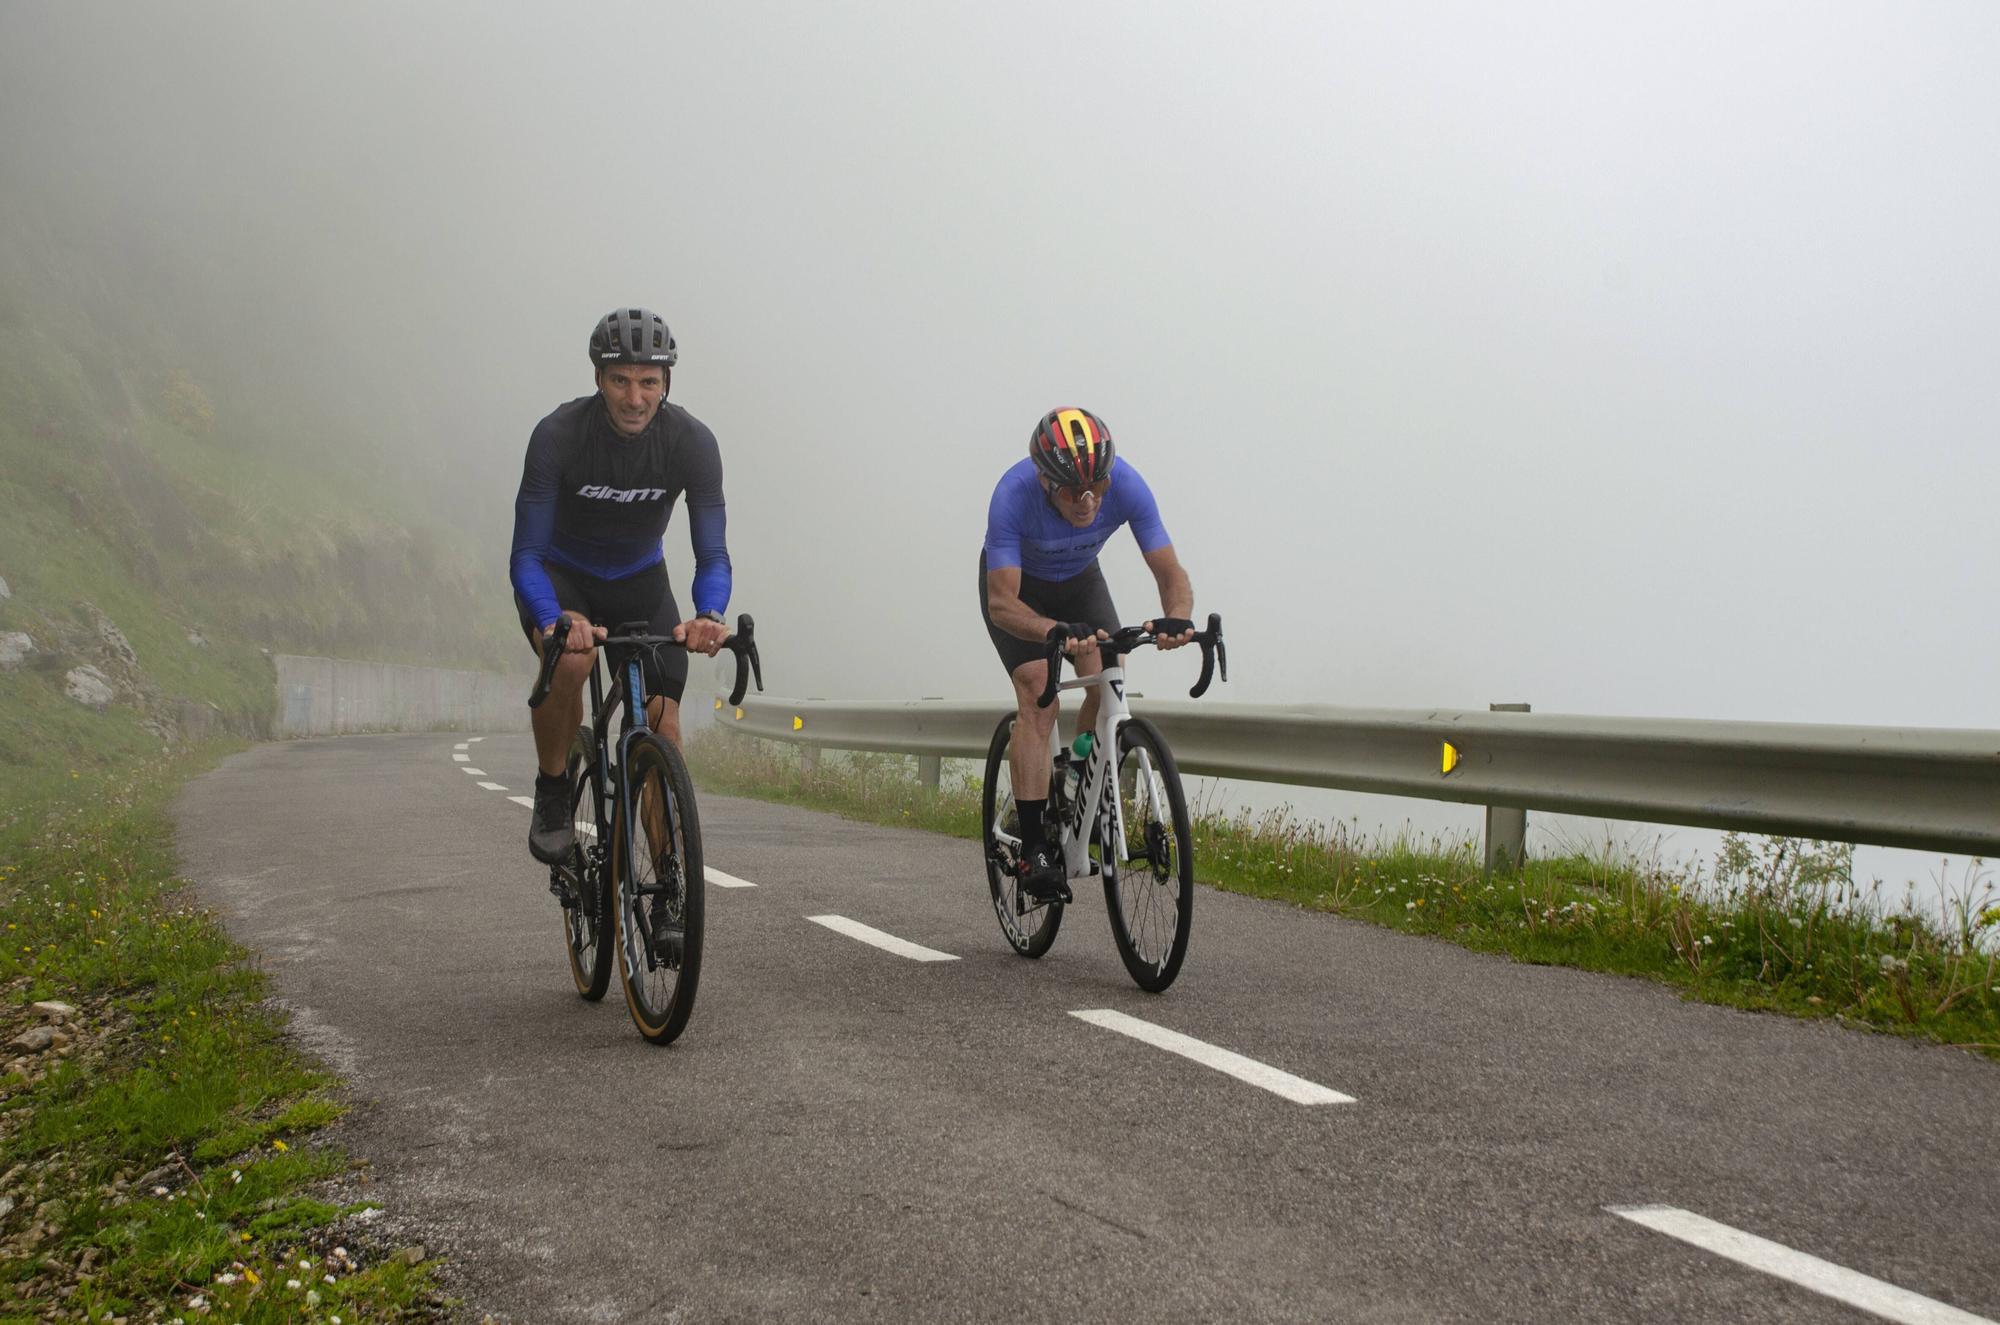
column 1623, row 359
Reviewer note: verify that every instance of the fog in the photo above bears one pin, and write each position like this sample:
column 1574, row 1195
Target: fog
column 1619, row 359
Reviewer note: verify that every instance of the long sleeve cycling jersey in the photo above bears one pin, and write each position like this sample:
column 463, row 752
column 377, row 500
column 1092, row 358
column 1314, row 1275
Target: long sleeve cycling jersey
column 597, row 501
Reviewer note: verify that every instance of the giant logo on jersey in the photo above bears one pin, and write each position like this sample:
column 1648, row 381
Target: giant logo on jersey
column 604, row 492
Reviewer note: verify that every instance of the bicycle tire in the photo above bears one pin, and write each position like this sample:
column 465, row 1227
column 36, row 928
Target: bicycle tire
column 588, row 925
column 1028, row 924
column 1151, row 906
column 659, row 881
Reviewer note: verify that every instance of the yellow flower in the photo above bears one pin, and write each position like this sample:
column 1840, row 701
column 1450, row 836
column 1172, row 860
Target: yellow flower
column 279, row 1146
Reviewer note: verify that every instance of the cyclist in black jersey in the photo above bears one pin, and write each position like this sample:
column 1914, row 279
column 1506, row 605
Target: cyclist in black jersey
column 599, row 484
column 1050, row 515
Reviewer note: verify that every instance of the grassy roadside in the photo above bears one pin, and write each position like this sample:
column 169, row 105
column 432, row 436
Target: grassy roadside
column 157, row 1152
column 1775, row 925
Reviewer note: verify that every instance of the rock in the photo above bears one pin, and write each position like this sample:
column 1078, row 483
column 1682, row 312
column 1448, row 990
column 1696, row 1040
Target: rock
column 5, row 592
column 196, row 638
column 87, row 685
column 59, row 1040
column 35, row 1039
column 6, row 1206
column 113, row 638
column 15, row 646
column 54, row 1010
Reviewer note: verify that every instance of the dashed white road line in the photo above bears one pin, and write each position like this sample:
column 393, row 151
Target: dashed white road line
column 1296, row 1089
column 475, row 772
column 492, row 786
column 461, row 759
column 868, row 934
column 525, row 802
column 721, row 880
column 1774, row 1258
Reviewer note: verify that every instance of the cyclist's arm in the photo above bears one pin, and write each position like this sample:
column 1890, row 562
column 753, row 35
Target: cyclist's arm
column 1176, row 593
column 1004, row 605
column 708, row 524
column 534, row 527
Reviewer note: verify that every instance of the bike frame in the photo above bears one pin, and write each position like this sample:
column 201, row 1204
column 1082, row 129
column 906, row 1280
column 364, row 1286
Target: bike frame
column 1096, row 787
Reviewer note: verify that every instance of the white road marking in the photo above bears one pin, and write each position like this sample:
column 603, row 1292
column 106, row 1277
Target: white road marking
column 475, row 772
column 461, row 759
column 461, row 746
column 1296, row 1089
column 854, row 929
column 526, row 802
column 721, row 880
column 1774, row 1258
column 470, row 739
column 492, row 786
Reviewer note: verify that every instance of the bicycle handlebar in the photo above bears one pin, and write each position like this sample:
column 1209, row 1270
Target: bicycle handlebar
column 1213, row 654
column 743, row 644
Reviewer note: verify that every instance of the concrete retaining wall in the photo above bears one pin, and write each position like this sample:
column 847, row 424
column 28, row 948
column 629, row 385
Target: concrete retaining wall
column 330, row 696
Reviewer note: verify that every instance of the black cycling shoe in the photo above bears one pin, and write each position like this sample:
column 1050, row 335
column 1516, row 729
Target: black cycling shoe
column 551, row 835
column 1044, row 875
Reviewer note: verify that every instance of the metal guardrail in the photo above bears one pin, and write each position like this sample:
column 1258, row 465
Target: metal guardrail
column 1932, row 789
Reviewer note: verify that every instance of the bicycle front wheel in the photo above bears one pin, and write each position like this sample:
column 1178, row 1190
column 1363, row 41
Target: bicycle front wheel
column 1029, row 924
column 585, row 883
column 659, row 889
column 1147, row 853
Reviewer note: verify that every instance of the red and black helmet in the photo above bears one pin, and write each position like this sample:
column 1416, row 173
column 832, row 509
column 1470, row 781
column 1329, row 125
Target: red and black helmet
column 1072, row 447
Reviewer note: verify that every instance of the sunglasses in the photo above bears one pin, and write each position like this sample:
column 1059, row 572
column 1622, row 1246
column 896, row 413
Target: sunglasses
column 1073, row 494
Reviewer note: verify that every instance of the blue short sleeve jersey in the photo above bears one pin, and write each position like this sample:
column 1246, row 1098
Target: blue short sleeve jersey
column 1023, row 527
column 597, row 501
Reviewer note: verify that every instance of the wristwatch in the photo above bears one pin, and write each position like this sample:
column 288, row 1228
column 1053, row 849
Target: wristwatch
column 712, row 615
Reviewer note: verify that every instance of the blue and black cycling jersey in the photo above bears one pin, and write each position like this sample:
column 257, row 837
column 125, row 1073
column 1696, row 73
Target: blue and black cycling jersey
column 597, row 501
column 1023, row 527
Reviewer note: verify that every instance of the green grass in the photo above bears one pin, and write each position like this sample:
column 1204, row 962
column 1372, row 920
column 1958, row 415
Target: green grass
column 167, row 1151
column 1774, row 924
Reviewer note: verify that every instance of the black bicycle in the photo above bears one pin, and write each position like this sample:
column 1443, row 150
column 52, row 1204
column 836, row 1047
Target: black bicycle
column 638, row 883
column 1120, row 815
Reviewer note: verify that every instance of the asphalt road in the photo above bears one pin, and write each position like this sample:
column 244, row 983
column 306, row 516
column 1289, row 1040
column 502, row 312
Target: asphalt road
column 846, row 1134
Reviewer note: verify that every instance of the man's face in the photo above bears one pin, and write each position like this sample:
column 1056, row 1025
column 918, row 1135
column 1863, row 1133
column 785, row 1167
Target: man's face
column 632, row 392
column 1077, row 505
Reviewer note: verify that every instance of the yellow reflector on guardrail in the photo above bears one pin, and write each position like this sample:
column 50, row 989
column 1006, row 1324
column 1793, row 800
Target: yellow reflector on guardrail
column 798, row 723
column 718, row 701
column 739, row 715
column 1451, row 757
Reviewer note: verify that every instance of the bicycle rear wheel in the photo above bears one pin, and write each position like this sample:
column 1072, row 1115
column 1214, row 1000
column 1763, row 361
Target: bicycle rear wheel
column 584, row 884
column 1149, row 875
column 659, row 890
column 1028, row 923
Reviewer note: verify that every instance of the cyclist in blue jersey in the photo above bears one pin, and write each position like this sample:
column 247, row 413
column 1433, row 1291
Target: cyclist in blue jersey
column 601, row 478
column 1050, row 515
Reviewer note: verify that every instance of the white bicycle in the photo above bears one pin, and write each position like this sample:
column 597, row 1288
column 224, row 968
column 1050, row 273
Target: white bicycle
column 1121, row 816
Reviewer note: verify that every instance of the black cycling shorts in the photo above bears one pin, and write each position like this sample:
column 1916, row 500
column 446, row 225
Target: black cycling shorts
column 612, row 603
column 1083, row 597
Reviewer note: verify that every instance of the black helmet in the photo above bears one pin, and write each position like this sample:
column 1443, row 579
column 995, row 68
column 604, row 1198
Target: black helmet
column 633, row 335
column 1072, row 447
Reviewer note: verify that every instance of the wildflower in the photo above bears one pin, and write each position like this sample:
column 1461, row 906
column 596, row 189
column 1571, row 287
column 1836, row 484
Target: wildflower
column 225, row 1278
column 280, row 1147
column 1409, row 906
column 293, row 1283
column 312, row 1297
column 250, row 1274
column 159, row 1191
column 236, row 1175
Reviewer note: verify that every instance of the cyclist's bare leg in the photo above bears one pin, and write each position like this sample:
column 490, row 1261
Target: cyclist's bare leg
column 556, row 721
column 664, row 715
column 1028, row 751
